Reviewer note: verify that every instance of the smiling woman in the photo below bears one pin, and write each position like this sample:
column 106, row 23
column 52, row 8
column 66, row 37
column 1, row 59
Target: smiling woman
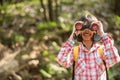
column 89, row 65
column 87, row 35
column 87, row 22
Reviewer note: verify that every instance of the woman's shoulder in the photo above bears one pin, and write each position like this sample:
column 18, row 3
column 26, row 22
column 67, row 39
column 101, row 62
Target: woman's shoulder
column 99, row 45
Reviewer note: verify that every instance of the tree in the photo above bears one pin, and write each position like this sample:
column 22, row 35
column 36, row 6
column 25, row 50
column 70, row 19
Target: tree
column 50, row 10
column 117, row 7
column 6, row 2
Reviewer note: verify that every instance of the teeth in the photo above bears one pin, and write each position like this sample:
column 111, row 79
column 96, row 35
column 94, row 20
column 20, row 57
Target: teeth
column 86, row 33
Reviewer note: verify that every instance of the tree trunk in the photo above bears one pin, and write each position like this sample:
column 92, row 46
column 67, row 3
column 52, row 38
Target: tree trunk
column 44, row 10
column 117, row 7
column 56, row 10
column 1, row 2
column 50, row 8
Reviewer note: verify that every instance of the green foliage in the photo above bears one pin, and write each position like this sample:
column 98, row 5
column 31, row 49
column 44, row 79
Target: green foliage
column 40, row 35
column 118, row 39
column 55, row 45
column 49, row 55
column 65, row 23
column 65, row 27
column 111, row 75
column 47, row 25
column 48, row 36
column 112, row 2
column 52, row 69
column 45, row 74
column 52, row 58
column 45, row 52
column 2, row 9
column 67, row 1
column 117, row 19
column 89, row 3
column 45, row 28
column 6, row 18
column 19, row 38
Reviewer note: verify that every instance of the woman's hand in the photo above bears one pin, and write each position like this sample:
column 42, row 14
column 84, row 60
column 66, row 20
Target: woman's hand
column 100, row 28
column 73, row 31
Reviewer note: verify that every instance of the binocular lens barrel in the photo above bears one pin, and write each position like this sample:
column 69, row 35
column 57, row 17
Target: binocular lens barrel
column 80, row 26
column 94, row 27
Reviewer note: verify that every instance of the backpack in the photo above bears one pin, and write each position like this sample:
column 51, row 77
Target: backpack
column 76, row 51
column 75, row 54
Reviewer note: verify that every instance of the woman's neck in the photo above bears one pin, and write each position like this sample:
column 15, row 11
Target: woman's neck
column 88, row 44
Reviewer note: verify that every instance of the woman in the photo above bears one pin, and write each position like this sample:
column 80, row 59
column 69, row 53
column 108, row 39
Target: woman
column 89, row 65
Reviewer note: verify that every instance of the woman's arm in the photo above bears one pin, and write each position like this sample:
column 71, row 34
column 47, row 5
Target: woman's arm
column 65, row 56
column 111, row 55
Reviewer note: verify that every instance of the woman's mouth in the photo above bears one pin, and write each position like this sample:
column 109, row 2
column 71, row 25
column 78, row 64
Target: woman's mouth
column 86, row 34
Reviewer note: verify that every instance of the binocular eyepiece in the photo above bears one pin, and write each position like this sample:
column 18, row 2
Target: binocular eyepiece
column 80, row 26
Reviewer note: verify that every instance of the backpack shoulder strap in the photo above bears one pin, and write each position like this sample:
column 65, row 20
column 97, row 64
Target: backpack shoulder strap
column 101, row 52
column 101, row 55
column 75, row 53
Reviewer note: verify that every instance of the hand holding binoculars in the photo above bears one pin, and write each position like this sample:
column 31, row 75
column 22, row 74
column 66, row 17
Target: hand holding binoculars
column 94, row 26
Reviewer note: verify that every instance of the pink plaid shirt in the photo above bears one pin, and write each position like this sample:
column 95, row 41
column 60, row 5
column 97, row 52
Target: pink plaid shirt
column 89, row 65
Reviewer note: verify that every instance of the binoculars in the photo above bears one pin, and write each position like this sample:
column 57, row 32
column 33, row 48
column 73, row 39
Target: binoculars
column 80, row 26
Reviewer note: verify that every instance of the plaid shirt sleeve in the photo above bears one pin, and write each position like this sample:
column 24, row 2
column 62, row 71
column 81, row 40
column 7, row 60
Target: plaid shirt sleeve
column 65, row 56
column 111, row 55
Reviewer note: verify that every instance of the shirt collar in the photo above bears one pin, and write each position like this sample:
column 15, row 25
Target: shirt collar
column 94, row 47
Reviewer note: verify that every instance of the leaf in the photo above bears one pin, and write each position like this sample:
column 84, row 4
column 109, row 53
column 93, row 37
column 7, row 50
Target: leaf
column 45, row 52
column 57, row 69
column 19, row 38
column 117, row 19
column 56, row 46
column 47, row 25
column 45, row 74
column 52, row 57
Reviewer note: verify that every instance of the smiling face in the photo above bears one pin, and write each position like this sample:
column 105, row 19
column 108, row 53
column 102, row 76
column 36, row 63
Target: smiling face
column 87, row 34
column 85, row 29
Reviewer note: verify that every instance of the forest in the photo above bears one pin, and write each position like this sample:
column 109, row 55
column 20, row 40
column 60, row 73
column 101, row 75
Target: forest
column 32, row 32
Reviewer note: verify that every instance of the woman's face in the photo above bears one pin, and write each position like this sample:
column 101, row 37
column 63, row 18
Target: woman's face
column 87, row 34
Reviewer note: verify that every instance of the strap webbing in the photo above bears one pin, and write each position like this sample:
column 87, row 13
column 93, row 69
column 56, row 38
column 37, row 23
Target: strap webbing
column 76, row 50
column 75, row 54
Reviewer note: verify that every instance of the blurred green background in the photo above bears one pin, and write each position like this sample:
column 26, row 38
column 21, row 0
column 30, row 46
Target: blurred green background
column 32, row 32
